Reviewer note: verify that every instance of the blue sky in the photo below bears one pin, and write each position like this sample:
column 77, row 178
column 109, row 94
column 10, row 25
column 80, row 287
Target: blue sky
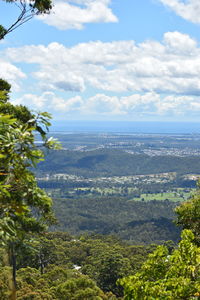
column 106, row 60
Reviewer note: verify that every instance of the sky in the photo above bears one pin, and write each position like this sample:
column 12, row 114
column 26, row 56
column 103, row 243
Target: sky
column 122, row 60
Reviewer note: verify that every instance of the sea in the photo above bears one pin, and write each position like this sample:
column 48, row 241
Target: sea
column 127, row 127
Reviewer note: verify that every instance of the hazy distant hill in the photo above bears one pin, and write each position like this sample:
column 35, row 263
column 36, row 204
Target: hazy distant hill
column 109, row 162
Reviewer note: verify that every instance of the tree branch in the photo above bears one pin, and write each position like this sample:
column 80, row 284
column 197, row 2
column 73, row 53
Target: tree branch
column 27, row 12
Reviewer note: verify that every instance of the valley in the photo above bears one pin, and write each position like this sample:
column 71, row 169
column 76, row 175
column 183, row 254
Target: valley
column 123, row 184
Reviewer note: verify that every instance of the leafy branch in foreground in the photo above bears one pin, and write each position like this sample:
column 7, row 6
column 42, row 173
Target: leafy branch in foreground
column 167, row 276
column 24, row 207
column 188, row 214
column 27, row 10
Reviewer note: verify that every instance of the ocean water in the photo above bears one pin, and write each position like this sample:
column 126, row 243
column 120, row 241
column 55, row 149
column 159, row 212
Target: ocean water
column 125, row 127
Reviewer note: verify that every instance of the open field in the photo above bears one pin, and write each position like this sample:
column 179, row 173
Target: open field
column 179, row 195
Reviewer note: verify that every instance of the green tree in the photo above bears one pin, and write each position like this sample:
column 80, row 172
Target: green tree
column 188, row 215
column 104, row 261
column 57, row 283
column 165, row 276
column 27, row 10
column 24, row 207
column 79, row 287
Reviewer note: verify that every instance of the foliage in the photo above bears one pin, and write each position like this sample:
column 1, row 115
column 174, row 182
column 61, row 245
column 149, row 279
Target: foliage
column 4, row 89
column 19, row 193
column 57, row 283
column 5, row 282
column 188, row 215
column 82, row 268
column 24, row 207
column 165, row 276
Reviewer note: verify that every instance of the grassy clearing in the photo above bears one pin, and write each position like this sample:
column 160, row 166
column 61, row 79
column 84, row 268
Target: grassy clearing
column 178, row 196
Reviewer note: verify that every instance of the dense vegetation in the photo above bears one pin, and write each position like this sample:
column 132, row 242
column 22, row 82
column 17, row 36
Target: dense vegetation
column 58, row 266
column 24, row 207
column 136, row 221
column 167, row 275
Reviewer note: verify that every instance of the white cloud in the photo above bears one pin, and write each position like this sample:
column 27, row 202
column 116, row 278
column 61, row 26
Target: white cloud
column 71, row 105
column 11, row 73
column 50, row 101
column 162, row 78
column 187, row 9
column 75, row 14
column 172, row 66
column 33, row 101
column 103, row 104
column 135, row 105
column 179, row 43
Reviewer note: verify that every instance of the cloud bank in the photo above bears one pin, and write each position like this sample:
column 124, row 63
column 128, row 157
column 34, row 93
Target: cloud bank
column 75, row 14
column 172, row 66
column 148, row 104
column 152, row 77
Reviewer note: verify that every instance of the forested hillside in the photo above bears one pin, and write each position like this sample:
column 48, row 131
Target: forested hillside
column 135, row 221
column 115, row 163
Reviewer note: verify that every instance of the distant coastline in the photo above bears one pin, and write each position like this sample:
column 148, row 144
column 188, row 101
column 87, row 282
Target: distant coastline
column 126, row 127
